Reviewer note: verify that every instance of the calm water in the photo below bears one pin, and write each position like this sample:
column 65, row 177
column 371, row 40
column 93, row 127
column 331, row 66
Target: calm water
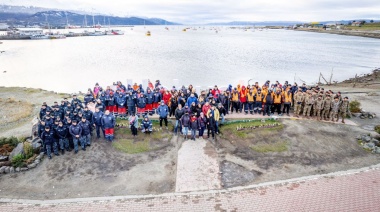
column 201, row 57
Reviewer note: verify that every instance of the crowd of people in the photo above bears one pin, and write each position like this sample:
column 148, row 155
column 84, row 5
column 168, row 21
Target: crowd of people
column 70, row 125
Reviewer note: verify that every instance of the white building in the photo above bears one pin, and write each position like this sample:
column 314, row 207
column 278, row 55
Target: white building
column 29, row 31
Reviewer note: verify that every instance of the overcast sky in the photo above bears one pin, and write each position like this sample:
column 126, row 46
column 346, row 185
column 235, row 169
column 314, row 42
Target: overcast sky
column 207, row 11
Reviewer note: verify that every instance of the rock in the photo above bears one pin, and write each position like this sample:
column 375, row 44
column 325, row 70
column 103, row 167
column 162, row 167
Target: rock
column 11, row 170
column 37, row 161
column 18, row 150
column 7, row 169
column 3, row 158
column 375, row 141
column 366, row 138
column 36, row 145
column 369, row 146
column 31, row 166
column 2, row 170
column 24, row 169
column 37, row 140
column 17, row 169
column 42, row 154
column 38, row 157
column 377, row 150
column 5, row 163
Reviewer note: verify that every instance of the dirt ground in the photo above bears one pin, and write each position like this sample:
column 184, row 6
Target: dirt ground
column 312, row 148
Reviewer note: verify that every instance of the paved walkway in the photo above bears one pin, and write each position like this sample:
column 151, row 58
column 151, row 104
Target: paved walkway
column 355, row 190
column 197, row 167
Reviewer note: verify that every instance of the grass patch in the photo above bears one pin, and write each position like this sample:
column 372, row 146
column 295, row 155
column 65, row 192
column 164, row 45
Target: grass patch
column 127, row 146
column 273, row 147
column 230, row 129
column 12, row 110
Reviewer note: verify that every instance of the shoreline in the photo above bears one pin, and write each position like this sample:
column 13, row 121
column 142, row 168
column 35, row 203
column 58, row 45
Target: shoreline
column 367, row 34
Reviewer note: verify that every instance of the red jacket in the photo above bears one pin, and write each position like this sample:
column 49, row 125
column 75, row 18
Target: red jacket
column 243, row 95
column 166, row 97
column 205, row 108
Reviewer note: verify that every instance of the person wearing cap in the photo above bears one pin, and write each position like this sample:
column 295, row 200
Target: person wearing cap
column 146, row 125
column 41, row 127
column 48, row 141
column 149, row 101
column 309, row 102
column 43, row 110
column 141, row 103
column 335, row 106
column 57, row 112
column 185, row 122
column 121, row 102
column 298, row 100
column 258, row 101
column 131, row 102
column 89, row 97
column 163, row 112
column 157, row 97
column 108, row 122
column 194, row 125
column 344, row 108
column 250, row 102
column 97, row 122
column 62, row 132
column 179, row 112
column 318, row 106
column 48, row 121
column 76, row 132
column 75, row 100
column 133, row 123
column 86, row 132
column 327, row 103
column 111, row 103
column 235, row 101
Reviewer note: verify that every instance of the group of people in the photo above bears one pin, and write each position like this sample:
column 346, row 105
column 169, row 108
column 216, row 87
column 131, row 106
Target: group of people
column 71, row 123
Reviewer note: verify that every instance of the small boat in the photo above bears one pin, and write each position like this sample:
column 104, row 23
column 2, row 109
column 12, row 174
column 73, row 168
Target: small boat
column 184, row 30
column 39, row 37
column 147, row 33
column 96, row 33
column 115, row 32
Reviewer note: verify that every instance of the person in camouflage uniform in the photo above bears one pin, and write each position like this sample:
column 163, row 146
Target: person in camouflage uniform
column 326, row 107
column 298, row 99
column 309, row 101
column 335, row 106
column 318, row 106
column 344, row 108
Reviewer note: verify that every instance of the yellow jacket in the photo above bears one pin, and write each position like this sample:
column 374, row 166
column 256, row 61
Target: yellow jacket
column 216, row 114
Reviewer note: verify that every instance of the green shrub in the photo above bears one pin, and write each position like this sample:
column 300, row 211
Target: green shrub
column 355, row 106
column 377, row 128
column 28, row 150
column 18, row 160
column 12, row 141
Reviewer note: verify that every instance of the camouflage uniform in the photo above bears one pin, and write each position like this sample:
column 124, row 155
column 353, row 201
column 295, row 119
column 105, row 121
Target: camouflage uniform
column 326, row 108
column 335, row 105
column 309, row 101
column 298, row 99
column 318, row 106
column 344, row 109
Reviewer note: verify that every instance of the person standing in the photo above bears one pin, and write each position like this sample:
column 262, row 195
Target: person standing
column 131, row 102
column 287, row 102
column 86, row 132
column 309, row 102
column 108, row 123
column 133, row 123
column 268, row 103
column 193, row 126
column 185, row 122
column 243, row 100
column 327, row 107
column 76, row 132
column 62, row 133
column 49, row 141
column 97, row 122
column 178, row 115
column 318, row 106
column 202, row 121
column 298, row 100
column 344, row 108
column 213, row 118
column 277, row 100
column 121, row 101
column 163, row 112
column 235, row 101
column 335, row 106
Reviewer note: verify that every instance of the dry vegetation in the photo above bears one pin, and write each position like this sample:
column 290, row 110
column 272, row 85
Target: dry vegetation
column 12, row 110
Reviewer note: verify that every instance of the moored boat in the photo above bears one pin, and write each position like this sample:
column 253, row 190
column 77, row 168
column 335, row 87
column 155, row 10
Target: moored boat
column 115, row 32
column 148, row 33
column 57, row 36
column 39, row 37
column 96, row 33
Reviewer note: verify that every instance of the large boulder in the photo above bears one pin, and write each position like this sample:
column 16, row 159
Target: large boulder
column 18, row 150
column 5, row 163
column 2, row 169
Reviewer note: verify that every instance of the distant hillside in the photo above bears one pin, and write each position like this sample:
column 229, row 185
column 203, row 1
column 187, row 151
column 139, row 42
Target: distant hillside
column 22, row 16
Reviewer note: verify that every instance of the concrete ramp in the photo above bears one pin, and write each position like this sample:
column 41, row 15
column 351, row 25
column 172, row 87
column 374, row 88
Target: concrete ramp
column 197, row 167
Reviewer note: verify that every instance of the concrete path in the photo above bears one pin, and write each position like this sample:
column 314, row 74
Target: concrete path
column 197, row 167
column 355, row 190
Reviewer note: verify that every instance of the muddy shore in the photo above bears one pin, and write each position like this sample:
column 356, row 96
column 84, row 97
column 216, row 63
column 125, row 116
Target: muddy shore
column 368, row 34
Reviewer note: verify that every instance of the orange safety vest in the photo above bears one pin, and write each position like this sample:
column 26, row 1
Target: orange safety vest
column 259, row 97
column 277, row 98
column 235, row 97
column 288, row 97
column 250, row 97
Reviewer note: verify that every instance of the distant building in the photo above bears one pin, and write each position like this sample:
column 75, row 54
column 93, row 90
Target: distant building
column 357, row 23
column 3, row 26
